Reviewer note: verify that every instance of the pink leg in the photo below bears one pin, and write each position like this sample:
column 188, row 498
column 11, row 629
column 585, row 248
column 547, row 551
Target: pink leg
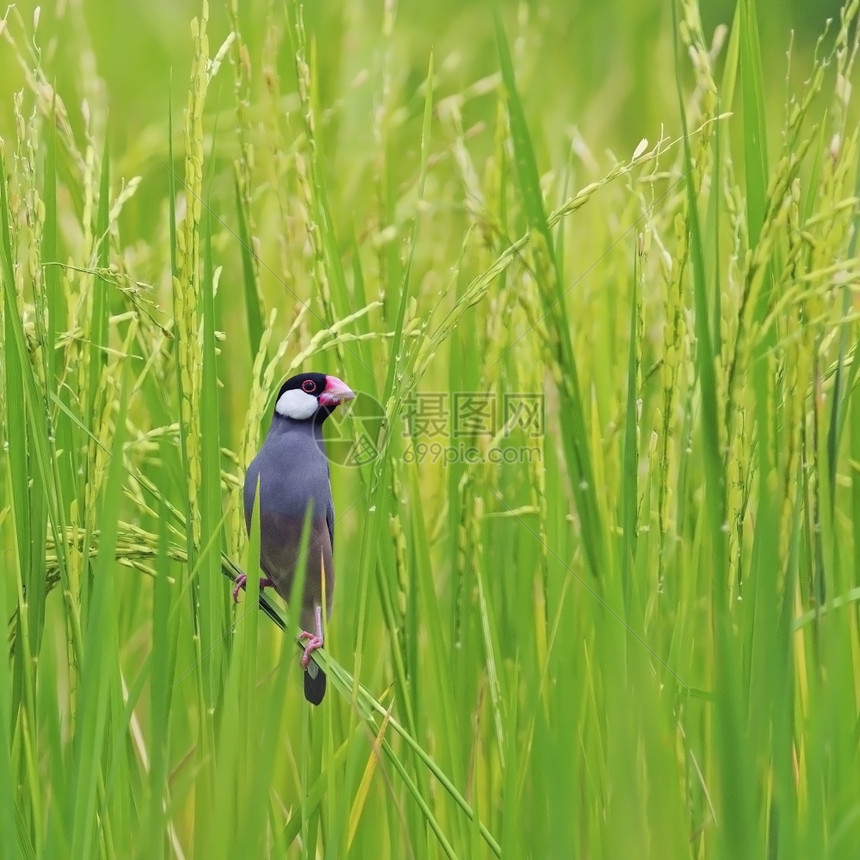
column 240, row 581
column 315, row 640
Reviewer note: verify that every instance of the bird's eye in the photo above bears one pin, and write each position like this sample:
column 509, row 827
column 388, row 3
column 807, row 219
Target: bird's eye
column 309, row 385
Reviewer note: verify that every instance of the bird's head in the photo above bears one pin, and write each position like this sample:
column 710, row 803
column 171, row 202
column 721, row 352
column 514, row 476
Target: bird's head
column 311, row 397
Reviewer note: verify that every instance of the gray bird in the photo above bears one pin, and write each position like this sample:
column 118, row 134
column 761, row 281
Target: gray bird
column 293, row 473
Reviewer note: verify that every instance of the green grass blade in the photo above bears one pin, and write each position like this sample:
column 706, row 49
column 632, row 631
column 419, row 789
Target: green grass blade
column 100, row 655
column 755, row 137
column 253, row 314
column 572, row 413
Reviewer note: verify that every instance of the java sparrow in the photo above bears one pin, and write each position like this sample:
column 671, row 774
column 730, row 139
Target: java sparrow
column 293, row 475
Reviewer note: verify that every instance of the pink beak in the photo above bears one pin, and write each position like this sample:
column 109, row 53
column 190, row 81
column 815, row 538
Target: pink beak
column 336, row 391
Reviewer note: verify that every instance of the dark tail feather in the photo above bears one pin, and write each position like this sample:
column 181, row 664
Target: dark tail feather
column 314, row 684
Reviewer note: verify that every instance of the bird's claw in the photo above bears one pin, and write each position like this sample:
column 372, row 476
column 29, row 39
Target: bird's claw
column 314, row 642
column 240, row 581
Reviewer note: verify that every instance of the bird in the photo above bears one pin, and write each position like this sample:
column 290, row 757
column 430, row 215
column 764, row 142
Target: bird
column 294, row 482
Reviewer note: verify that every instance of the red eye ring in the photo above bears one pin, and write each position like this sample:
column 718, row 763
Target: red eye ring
column 309, row 385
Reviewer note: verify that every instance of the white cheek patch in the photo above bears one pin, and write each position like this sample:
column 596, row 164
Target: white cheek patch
column 296, row 404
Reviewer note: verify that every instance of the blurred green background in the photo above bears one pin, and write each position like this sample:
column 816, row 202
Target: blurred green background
column 605, row 68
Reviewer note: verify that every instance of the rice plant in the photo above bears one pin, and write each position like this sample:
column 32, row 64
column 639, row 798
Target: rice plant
column 593, row 271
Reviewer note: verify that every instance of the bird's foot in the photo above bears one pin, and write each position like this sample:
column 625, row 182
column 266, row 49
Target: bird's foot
column 315, row 640
column 239, row 583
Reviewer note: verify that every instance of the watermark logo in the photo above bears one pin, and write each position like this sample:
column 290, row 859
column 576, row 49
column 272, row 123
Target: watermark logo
column 447, row 455
column 473, row 414
column 473, row 427
column 353, row 431
column 444, row 427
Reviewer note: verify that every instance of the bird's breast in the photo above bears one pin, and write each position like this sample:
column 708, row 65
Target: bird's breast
column 292, row 478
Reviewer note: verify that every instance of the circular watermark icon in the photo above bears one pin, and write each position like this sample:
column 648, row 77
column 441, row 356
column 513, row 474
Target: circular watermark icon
column 352, row 431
